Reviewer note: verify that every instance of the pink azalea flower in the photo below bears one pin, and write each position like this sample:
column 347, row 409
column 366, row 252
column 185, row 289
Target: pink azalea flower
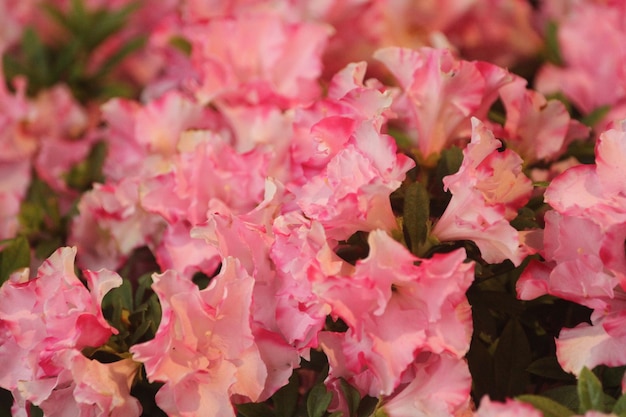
column 437, row 385
column 583, row 262
column 14, row 182
column 38, row 329
column 537, row 128
column 207, row 171
column 352, row 193
column 387, row 289
column 280, row 66
column 487, row 191
column 111, row 224
column 85, row 388
column 140, row 137
column 439, row 94
column 204, row 349
column 510, row 408
column 582, row 46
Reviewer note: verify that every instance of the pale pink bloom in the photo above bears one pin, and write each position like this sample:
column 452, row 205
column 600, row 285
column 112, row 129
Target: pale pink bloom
column 439, row 94
column 487, row 191
column 204, row 348
column 436, row 385
column 537, row 128
column 387, row 289
column 177, row 250
column 140, row 137
column 352, row 193
column 509, row 408
column 85, row 388
column 14, row 181
column 583, row 259
column 265, row 61
column 16, row 113
column 302, row 256
column 322, row 130
column 206, row 172
column 36, row 328
column 266, row 129
column 583, row 45
column 111, row 224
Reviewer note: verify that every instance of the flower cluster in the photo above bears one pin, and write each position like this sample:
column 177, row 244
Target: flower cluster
column 285, row 208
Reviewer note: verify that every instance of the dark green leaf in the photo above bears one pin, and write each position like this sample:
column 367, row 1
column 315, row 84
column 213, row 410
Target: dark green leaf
column 119, row 55
column 285, row 400
column 548, row 367
column 590, row 392
column 254, row 410
column 352, row 396
column 416, row 216
column 85, row 173
column 511, row 359
column 548, row 407
column 620, row 406
column 566, row 395
column 553, row 49
column 318, row 401
column 595, row 116
column 144, row 285
column 14, row 256
column 367, row 406
column 480, row 364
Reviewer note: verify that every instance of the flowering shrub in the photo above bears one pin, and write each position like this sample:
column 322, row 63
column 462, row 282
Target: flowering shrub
column 293, row 208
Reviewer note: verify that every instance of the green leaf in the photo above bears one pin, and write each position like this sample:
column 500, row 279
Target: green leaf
column 595, row 116
column 548, row 407
column 352, row 396
column 82, row 175
column 590, row 392
column 367, row 406
column 548, row 367
column 416, row 217
column 511, row 359
column 318, row 401
column 14, row 256
column 285, row 400
column 620, row 406
column 254, row 410
column 119, row 55
column 553, row 49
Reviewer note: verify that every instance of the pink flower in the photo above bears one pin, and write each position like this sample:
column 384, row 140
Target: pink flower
column 140, row 137
column 438, row 94
column 37, row 329
column 487, row 191
column 280, row 65
column 582, row 46
column 537, row 128
column 111, row 224
column 395, row 310
column 204, row 349
column 352, row 193
column 206, row 172
column 85, row 388
column 436, row 385
column 583, row 259
column 510, row 408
